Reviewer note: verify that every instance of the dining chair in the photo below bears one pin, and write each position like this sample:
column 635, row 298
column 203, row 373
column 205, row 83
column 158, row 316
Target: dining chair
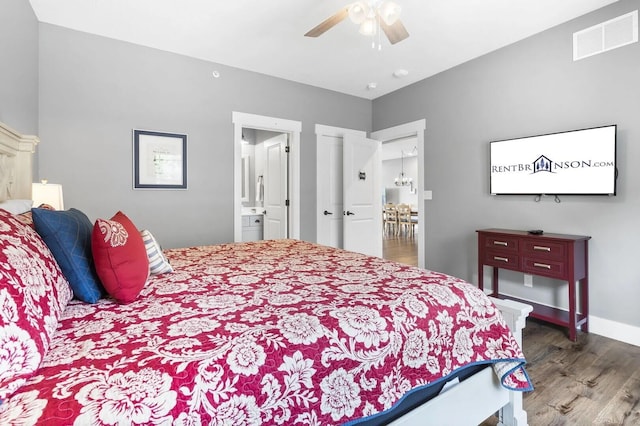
column 390, row 219
column 405, row 223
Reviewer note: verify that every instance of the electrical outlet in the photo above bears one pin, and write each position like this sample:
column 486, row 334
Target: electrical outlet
column 528, row 280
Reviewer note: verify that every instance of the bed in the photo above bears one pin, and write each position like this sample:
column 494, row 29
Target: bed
column 269, row 332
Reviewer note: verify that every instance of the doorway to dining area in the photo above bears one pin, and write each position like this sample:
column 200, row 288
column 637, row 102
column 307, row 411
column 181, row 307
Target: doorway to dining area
column 400, row 198
column 404, row 146
column 331, row 209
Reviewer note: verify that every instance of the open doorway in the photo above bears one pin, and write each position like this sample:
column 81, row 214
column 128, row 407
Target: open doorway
column 400, row 200
column 413, row 131
column 273, row 128
column 265, row 186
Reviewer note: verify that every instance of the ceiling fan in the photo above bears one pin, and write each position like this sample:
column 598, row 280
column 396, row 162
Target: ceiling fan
column 371, row 16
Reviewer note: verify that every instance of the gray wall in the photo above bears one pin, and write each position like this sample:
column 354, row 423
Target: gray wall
column 528, row 88
column 95, row 90
column 19, row 66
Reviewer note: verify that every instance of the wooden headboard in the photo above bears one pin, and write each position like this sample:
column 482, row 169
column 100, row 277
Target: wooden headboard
column 16, row 163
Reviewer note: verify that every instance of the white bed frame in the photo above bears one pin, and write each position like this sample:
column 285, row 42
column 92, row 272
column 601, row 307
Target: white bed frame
column 467, row 403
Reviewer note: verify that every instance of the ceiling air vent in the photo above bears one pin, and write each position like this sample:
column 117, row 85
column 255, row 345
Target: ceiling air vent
column 614, row 33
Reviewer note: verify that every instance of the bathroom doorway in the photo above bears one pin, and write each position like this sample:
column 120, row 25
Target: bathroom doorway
column 282, row 156
column 265, row 187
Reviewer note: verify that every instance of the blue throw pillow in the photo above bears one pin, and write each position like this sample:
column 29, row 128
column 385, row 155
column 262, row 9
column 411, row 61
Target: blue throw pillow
column 68, row 235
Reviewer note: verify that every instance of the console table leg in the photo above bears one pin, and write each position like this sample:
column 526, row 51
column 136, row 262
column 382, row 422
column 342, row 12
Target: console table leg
column 494, row 282
column 572, row 310
column 584, row 295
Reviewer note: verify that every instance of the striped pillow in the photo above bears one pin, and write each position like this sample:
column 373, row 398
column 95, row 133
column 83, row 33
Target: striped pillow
column 158, row 263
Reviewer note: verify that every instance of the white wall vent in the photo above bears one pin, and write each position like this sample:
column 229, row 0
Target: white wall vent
column 614, row 33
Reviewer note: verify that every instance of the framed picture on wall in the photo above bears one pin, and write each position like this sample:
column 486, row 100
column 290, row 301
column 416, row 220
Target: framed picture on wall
column 159, row 160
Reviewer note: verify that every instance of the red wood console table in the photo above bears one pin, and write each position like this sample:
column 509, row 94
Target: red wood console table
column 559, row 256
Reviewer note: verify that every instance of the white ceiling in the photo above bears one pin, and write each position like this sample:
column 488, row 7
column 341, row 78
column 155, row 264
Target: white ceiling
column 267, row 36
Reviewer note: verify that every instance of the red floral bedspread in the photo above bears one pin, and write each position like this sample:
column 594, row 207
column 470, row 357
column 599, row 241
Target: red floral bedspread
column 272, row 332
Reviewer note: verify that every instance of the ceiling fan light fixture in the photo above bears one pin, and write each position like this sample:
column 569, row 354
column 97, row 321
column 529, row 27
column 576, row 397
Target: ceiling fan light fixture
column 373, row 17
column 358, row 12
column 369, row 27
column 389, row 12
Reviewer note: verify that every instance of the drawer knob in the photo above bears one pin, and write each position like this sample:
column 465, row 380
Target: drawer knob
column 542, row 265
column 541, row 248
column 500, row 243
column 501, row 259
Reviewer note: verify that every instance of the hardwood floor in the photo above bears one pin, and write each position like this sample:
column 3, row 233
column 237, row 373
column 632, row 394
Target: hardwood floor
column 592, row 381
column 401, row 248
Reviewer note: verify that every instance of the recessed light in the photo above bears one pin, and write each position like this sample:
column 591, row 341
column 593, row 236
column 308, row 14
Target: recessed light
column 215, row 74
column 372, row 86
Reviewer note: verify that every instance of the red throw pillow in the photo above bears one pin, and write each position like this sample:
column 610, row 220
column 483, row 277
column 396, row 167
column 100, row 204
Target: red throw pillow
column 120, row 257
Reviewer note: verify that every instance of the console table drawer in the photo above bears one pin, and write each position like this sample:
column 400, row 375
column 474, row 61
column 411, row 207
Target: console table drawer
column 547, row 249
column 502, row 259
column 505, row 243
column 546, row 267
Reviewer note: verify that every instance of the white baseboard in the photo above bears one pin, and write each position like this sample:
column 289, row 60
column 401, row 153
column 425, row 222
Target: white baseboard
column 614, row 330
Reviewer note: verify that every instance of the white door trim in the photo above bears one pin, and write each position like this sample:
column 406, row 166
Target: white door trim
column 414, row 128
column 293, row 128
column 337, row 132
column 334, row 132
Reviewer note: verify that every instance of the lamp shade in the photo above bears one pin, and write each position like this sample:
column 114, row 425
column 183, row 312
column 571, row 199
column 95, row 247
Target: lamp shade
column 369, row 27
column 47, row 193
column 390, row 12
column 358, row 11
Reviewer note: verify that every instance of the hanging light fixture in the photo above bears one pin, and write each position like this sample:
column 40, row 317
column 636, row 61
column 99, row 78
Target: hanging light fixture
column 368, row 14
column 403, row 180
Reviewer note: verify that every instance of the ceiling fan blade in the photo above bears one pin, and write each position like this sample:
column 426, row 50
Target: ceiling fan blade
column 328, row 23
column 396, row 32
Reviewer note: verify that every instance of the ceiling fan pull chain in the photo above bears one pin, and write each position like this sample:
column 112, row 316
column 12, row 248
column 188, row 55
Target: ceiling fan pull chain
column 379, row 31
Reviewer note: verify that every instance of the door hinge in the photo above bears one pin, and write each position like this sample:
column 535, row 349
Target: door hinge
column 286, row 203
column 286, row 149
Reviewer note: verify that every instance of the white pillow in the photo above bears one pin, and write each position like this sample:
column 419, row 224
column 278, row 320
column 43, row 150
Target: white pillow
column 158, row 263
column 16, row 206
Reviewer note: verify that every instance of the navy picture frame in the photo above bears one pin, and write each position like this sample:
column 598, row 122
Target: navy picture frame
column 159, row 160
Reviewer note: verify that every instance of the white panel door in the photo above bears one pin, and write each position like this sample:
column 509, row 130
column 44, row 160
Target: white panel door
column 362, row 218
column 330, row 193
column 275, row 188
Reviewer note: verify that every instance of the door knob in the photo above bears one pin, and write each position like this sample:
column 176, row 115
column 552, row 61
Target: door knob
column 327, row 213
column 348, row 213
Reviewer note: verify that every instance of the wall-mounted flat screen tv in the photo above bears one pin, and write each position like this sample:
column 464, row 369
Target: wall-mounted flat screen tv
column 576, row 162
